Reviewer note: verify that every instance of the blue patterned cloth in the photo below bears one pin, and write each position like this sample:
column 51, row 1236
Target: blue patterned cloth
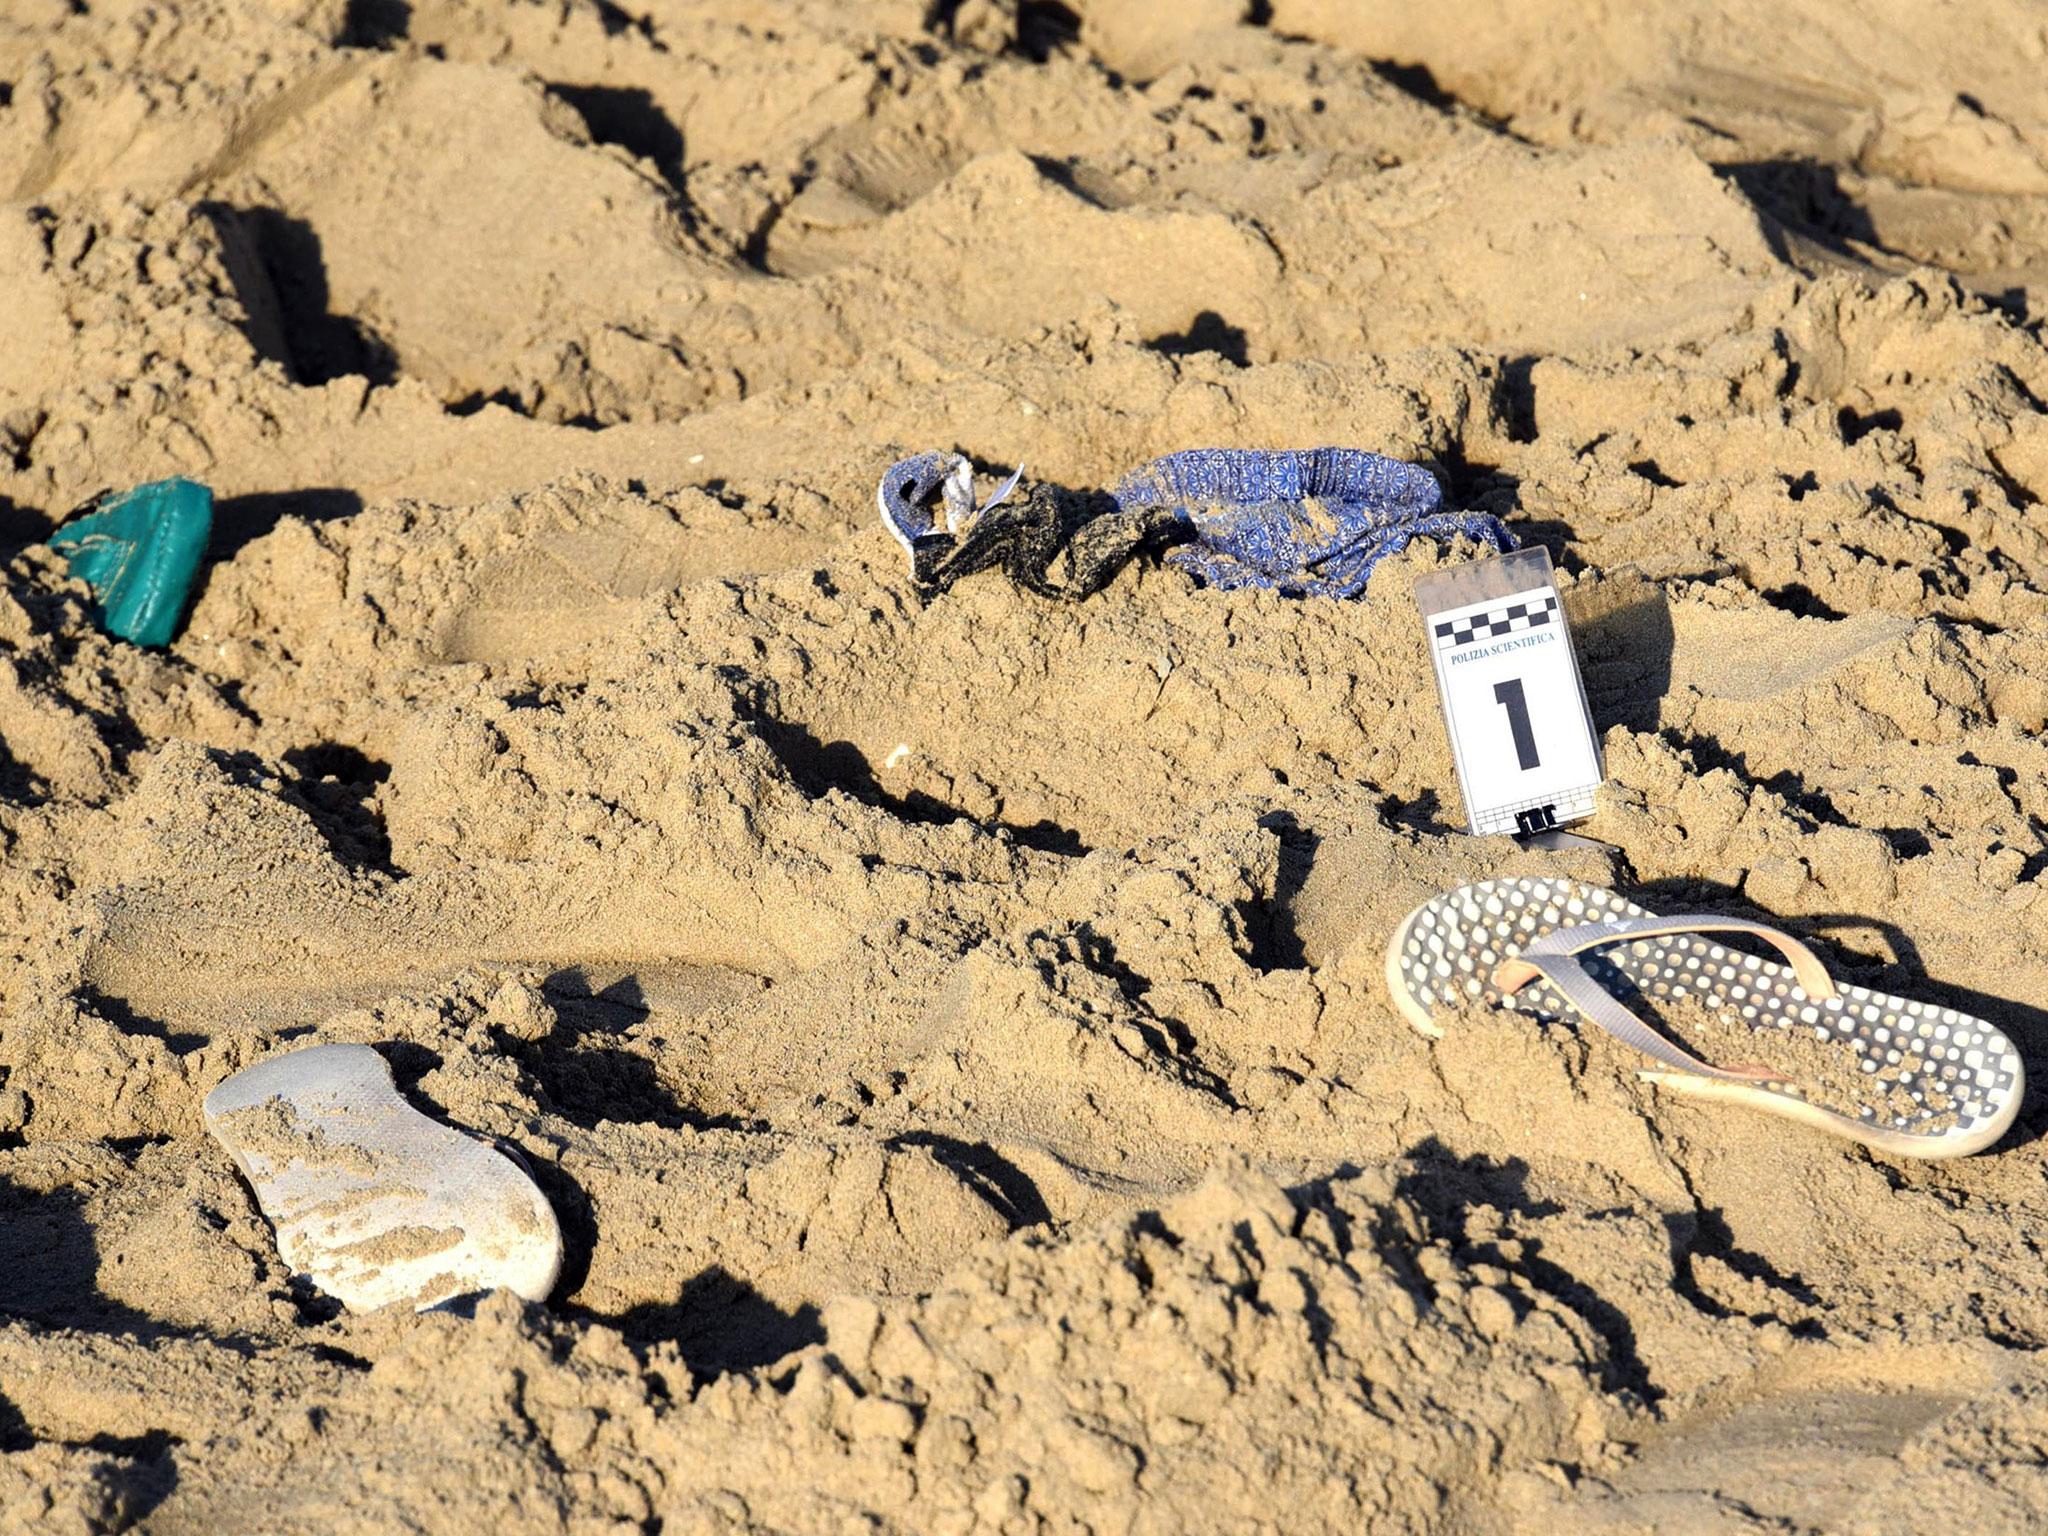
column 1310, row 522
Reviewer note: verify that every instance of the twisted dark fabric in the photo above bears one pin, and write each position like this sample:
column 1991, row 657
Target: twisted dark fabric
column 1304, row 523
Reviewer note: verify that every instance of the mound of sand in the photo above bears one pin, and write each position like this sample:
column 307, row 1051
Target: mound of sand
column 952, row 1034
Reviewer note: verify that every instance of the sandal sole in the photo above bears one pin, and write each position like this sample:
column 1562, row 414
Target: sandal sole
column 1445, row 952
column 371, row 1200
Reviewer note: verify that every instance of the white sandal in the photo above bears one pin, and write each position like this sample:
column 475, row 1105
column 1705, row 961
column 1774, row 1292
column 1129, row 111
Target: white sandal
column 1527, row 944
column 372, row 1201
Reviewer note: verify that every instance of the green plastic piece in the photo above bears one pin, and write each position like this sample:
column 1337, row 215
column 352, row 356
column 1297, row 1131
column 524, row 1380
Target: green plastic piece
column 139, row 552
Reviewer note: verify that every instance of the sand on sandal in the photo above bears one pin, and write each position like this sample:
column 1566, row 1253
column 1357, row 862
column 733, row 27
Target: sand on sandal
column 952, row 1035
column 371, row 1201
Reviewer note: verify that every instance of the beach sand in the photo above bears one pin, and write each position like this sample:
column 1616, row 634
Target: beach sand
column 952, row 1035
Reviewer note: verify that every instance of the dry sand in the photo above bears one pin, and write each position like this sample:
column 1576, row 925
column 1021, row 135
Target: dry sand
column 952, row 1035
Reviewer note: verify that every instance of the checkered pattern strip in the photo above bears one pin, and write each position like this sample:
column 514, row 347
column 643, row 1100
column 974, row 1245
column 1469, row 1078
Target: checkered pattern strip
column 1530, row 613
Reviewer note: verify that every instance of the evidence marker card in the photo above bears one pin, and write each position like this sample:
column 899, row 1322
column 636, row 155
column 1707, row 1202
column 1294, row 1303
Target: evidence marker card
column 1513, row 703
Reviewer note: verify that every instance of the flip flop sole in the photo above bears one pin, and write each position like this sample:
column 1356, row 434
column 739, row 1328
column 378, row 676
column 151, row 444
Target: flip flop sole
column 371, row 1200
column 1444, row 954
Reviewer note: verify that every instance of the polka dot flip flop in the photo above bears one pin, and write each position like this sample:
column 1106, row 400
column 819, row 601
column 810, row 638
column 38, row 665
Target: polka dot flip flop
column 1930, row 1082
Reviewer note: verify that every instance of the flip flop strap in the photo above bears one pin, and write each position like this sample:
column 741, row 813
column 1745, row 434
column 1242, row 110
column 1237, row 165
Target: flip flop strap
column 1553, row 957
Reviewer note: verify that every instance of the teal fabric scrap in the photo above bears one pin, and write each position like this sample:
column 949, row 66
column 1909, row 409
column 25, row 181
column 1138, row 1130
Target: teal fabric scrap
column 139, row 552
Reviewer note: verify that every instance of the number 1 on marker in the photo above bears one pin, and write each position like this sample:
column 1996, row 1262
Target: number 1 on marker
column 1509, row 696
